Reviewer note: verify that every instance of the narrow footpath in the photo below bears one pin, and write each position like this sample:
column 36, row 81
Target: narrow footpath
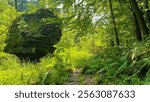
column 77, row 78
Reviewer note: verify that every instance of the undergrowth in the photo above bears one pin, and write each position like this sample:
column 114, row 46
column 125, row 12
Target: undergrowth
column 48, row 71
column 120, row 65
column 112, row 65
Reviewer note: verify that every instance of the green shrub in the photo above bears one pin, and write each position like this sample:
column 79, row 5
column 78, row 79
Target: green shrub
column 48, row 71
column 121, row 66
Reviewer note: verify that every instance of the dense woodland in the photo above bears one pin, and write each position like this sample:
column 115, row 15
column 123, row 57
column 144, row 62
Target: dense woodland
column 80, row 42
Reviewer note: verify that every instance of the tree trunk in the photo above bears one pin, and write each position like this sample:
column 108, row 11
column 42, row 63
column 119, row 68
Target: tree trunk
column 140, row 18
column 147, row 13
column 114, row 22
column 137, row 28
column 16, row 5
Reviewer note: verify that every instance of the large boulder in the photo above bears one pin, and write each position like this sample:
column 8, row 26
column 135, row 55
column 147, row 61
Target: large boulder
column 31, row 36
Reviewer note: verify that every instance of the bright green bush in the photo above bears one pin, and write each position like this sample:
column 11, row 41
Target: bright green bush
column 48, row 71
column 53, row 69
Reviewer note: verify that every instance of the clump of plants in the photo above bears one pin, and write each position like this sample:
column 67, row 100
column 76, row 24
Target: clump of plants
column 122, row 66
column 49, row 70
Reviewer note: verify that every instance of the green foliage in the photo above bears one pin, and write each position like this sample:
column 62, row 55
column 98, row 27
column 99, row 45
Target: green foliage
column 54, row 70
column 8, row 14
column 121, row 66
column 12, row 71
column 48, row 71
column 87, row 42
column 6, row 60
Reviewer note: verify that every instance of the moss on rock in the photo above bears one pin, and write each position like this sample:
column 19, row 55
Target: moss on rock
column 32, row 36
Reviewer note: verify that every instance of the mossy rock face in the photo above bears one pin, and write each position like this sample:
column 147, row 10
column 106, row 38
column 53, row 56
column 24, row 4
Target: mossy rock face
column 32, row 36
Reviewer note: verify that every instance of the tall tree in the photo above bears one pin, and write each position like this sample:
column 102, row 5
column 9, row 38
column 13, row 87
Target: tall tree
column 114, row 23
column 137, row 28
column 147, row 12
column 144, row 29
column 16, row 5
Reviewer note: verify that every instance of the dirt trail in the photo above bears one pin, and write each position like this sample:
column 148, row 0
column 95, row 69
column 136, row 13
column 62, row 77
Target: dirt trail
column 76, row 78
column 73, row 78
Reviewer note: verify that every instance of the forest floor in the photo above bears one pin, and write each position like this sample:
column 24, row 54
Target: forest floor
column 77, row 78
